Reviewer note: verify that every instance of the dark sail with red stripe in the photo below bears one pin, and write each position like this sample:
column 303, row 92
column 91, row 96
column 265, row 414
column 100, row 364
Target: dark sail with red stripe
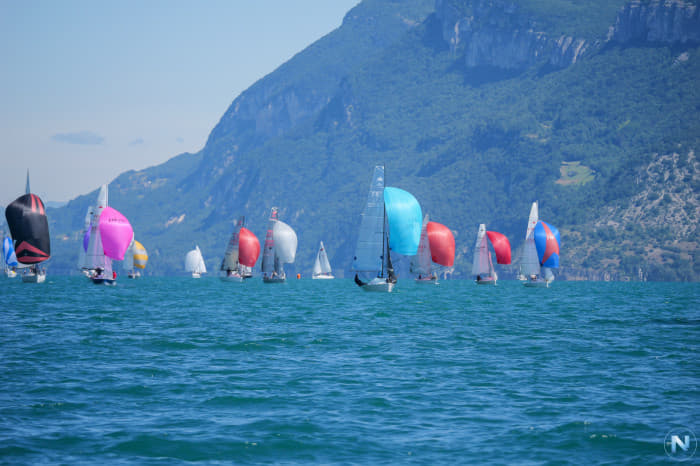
column 29, row 227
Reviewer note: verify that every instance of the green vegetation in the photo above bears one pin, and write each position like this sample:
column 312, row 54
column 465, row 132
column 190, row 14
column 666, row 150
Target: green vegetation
column 573, row 173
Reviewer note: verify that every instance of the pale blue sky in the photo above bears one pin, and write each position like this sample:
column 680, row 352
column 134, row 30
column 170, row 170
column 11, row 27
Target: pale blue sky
column 89, row 89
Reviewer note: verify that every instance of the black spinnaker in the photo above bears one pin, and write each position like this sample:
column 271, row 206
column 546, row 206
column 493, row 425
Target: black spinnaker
column 26, row 217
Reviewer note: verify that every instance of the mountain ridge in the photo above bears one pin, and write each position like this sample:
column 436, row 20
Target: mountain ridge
column 417, row 104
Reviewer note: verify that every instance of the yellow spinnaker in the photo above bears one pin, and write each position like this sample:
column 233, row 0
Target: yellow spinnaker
column 140, row 255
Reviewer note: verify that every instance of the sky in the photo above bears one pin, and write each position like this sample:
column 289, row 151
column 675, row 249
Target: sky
column 90, row 89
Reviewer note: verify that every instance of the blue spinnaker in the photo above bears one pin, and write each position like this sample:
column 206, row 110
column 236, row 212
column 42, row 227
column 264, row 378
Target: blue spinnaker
column 547, row 242
column 8, row 252
column 405, row 221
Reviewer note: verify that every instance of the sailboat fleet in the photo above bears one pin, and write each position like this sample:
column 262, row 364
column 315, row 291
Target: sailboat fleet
column 392, row 230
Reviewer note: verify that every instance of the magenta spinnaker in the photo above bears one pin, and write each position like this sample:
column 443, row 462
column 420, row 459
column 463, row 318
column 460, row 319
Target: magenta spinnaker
column 116, row 233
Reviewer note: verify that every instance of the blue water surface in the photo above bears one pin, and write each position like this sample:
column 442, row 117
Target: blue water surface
column 177, row 370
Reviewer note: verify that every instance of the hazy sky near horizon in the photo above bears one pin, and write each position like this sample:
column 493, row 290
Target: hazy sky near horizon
column 91, row 89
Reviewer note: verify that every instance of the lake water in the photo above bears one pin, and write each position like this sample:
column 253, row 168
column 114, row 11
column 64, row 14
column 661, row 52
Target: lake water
column 177, row 370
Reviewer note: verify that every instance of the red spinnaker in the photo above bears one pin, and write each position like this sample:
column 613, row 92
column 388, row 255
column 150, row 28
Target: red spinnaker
column 442, row 244
column 248, row 248
column 501, row 245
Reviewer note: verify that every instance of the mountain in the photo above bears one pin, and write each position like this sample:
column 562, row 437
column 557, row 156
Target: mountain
column 477, row 107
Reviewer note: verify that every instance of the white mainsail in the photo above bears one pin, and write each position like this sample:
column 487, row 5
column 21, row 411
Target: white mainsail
column 482, row 265
column 194, row 262
column 321, row 266
column 96, row 257
column 369, row 252
column 422, row 262
column 530, row 264
column 82, row 253
column 230, row 261
column 129, row 257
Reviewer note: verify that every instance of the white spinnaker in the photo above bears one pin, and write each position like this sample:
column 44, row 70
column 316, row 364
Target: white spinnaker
column 285, row 242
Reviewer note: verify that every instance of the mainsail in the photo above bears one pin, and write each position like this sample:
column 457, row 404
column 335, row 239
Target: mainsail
column 369, row 252
column 96, row 258
column 82, row 251
column 422, row 262
column 530, row 265
column 482, row 264
column 321, row 265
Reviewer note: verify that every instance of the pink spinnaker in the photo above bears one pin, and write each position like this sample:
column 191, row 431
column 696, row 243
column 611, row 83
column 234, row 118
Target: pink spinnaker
column 116, row 233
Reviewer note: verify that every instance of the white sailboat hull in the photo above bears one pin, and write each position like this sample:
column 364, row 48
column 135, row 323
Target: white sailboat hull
column 537, row 283
column 34, row 278
column 379, row 284
column 234, row 277
column 10, row 273
column 103, row 281
column 196, row 275
column 487, row 281
column 274, row 279
column 427, row 281
column 322, row 277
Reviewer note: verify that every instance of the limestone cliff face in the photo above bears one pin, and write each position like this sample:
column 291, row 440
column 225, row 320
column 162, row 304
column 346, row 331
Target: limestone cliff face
column 497, row 33
column 658, row 21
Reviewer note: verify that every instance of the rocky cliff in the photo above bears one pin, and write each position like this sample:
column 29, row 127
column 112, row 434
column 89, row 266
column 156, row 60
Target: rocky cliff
column 499, row 33
column 659, row 21
column 502, row 34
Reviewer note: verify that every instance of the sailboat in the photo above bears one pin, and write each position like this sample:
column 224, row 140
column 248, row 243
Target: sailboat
column 9, row 258
column 541, row 251
column 135, row 259
column 482, row 266
column 280, row 248
column 547, row 242
column 391, row 221
column 322, row 268
column 82, row 251
column 241, row 254
column 29, row 227
column 110, row 236
column 437, row 246
column 194, row 263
